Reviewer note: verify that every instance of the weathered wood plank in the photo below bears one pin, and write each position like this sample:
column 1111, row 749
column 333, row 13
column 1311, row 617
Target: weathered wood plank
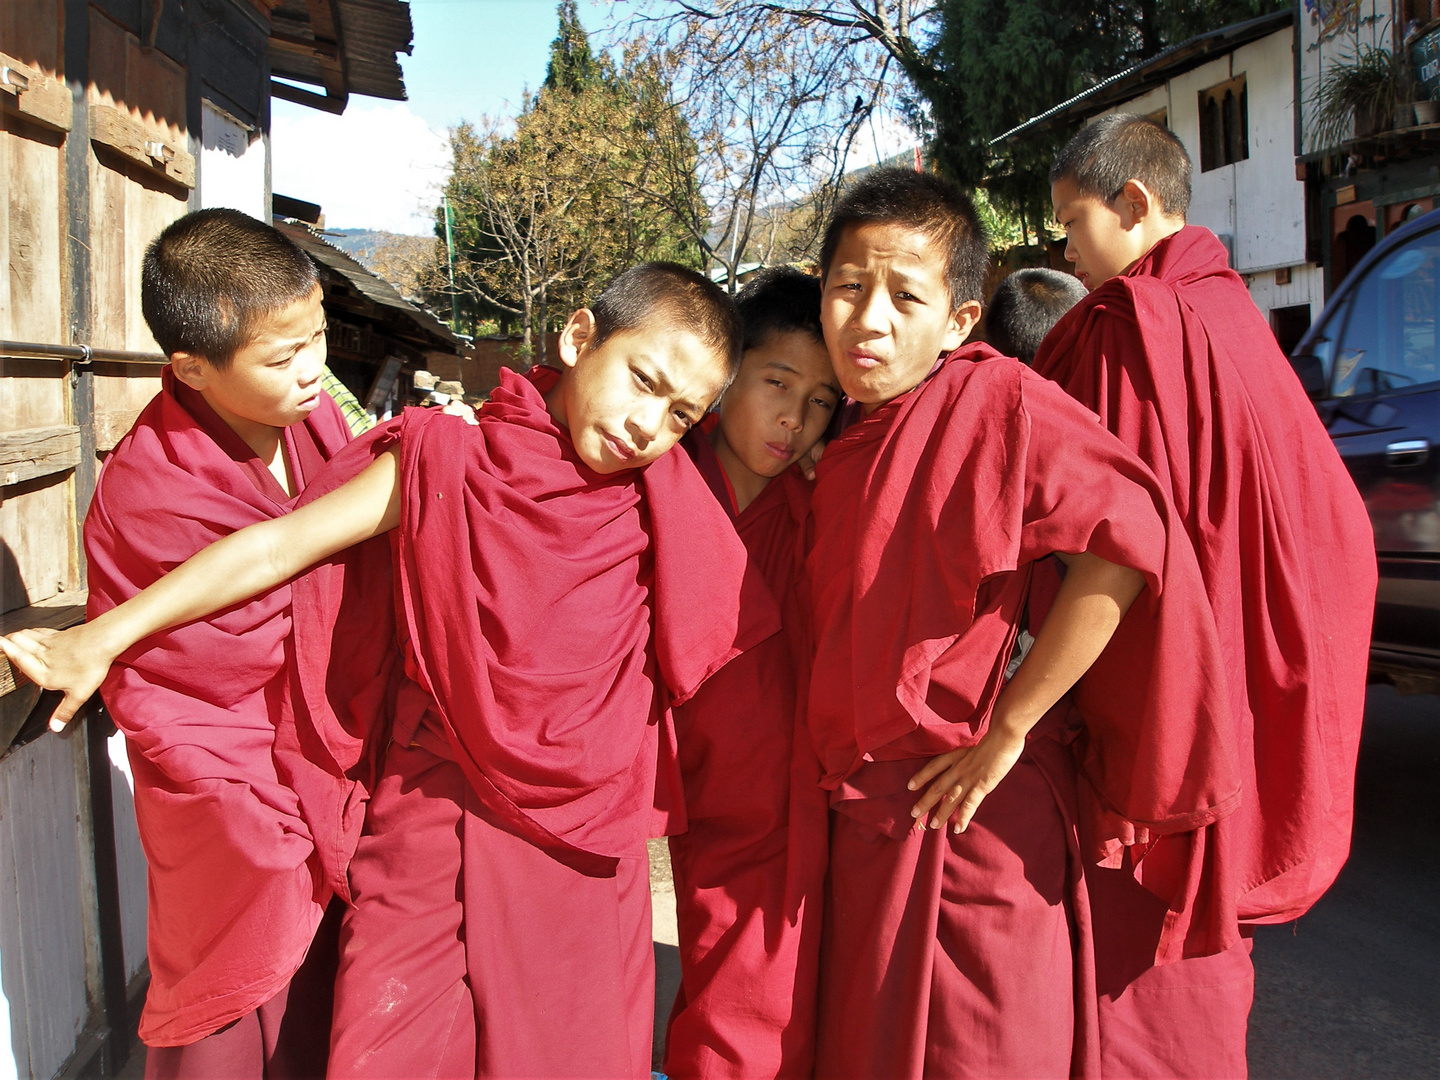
column 128, row 137
column 60, row 616
column 31, row 93
column 33, row 452
column 42, row 922
column 112, row 426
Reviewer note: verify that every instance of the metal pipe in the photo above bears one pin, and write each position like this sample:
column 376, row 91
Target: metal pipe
column 79, row 354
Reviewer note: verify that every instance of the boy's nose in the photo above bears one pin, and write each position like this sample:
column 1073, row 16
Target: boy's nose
column 1071, row 255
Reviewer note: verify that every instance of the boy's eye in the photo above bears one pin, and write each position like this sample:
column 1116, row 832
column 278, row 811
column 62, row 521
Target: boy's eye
column 906, row 296
column 686, row 421
column 644, row 380
column 822, row 403
column 776, row 382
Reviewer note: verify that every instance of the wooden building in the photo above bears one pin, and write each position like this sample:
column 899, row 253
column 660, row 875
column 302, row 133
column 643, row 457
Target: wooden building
column 116, row 117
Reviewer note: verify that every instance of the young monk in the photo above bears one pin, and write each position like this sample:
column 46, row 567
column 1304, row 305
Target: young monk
column 1177, row 361
column 746, row 1005
column 239, row 876
column 1025, row 307
column 560, row 581
column 949, row 952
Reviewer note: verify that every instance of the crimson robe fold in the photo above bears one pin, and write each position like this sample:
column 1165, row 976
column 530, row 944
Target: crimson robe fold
column 550, row 618
column 748, row 950
column 929, row 517
column 1178, row 363
column 237, row 885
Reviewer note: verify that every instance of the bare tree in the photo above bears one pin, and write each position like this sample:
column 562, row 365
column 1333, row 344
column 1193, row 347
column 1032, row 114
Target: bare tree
column 771, row 101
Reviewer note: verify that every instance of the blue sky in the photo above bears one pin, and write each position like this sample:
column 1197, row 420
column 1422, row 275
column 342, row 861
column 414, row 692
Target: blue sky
column 381, row 164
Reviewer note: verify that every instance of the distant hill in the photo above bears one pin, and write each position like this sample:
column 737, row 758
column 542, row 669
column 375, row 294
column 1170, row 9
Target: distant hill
column 399, row 259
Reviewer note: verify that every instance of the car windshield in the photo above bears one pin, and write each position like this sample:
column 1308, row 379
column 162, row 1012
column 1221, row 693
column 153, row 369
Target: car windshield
column 1389, row 340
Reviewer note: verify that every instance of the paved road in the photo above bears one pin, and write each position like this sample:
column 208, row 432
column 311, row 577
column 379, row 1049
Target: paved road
column 1353, row 988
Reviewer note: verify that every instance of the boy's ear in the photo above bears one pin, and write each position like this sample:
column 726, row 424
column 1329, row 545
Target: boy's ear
column 1136, row 203
column 963, row 321
column 579, row 331
column 190, row 369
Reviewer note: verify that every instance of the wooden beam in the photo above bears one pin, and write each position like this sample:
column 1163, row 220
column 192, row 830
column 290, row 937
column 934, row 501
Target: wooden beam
column 126, row 135
column 299, row 46
column 325, row 24
column 32, row 452
column 34, row 95
column 111, row 426
column 305, row 97
column 61, row 613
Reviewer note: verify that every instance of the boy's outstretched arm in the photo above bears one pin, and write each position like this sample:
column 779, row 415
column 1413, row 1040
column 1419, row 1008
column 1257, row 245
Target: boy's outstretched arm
column 1089, row 606
column 234, row 568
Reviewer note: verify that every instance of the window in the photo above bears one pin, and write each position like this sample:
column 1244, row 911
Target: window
column 1224, row 125
column 1389, row 341
column 1289, row 325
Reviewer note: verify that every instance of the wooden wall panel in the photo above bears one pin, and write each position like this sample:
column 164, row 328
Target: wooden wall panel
column 42, row 940
column 118, row 401
column 149, row 88
column 30, row 164
column 30, row 31
column 35, row 520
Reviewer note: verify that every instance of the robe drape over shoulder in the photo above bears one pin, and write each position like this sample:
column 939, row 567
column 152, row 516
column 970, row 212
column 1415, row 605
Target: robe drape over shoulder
column 550, row 611
column 1179, row 364
column 925, row 511
column 239, row 873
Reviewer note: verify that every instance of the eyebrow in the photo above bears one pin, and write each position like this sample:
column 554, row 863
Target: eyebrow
column 666, row 387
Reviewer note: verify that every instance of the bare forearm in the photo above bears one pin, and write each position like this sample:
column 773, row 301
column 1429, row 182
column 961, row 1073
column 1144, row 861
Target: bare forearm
column 257, row 558
column 1089, row 606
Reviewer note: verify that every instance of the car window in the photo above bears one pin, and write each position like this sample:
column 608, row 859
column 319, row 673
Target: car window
column 1389, row 339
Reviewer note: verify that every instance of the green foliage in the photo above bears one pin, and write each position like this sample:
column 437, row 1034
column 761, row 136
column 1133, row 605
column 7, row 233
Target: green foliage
column 544, row 211
column 994, row 64
column 573, row 67
column 1365, row 89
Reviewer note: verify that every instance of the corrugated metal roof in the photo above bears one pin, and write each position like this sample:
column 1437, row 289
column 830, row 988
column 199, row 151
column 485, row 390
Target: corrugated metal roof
column 1163, row 65
column 370, row 34
column 367, row 284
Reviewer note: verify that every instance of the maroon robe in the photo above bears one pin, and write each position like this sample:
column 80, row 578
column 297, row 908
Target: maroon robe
column 550, row 617
column 1179, row 364
column 748, row 956
column 952, row 955
column 239, row 874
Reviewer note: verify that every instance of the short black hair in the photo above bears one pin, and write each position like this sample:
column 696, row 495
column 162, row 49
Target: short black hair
column 1026, row 306
column 212, row 275
column 675, row 293
column 778, row 300
column 925, row 202
column 1105, row 155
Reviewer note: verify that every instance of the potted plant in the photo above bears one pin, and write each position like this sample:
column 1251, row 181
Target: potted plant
column 1372, row 89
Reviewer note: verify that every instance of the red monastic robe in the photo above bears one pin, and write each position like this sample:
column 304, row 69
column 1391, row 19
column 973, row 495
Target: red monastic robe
column 953, row 955
column 239, row 875
column 1179, row 364
column 748, row 957
column 550, row 618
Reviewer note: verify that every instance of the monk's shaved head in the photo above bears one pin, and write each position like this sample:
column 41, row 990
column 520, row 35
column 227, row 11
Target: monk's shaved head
column 209, row 279
column 677, row 295
column 927, row 204
column 1026, row 306
column 1104, row 155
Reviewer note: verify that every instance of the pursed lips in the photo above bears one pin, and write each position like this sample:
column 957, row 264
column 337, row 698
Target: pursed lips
column 619, row 448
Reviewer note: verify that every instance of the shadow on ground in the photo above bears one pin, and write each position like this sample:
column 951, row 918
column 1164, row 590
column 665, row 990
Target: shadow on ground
column 1352, row 990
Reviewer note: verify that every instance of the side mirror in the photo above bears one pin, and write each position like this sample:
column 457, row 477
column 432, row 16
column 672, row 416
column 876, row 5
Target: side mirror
column 1311, row 373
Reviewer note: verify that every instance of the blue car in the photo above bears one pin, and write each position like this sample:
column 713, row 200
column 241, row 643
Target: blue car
column 1371, row 364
